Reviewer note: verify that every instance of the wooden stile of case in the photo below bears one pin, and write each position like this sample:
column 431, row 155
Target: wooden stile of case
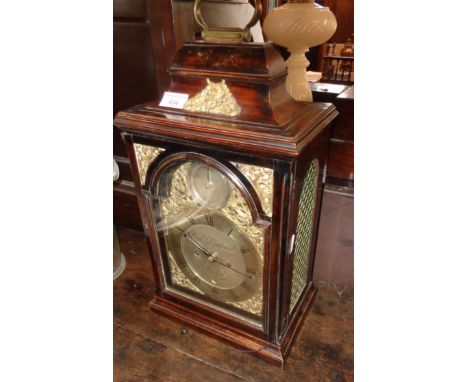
column 229, row 190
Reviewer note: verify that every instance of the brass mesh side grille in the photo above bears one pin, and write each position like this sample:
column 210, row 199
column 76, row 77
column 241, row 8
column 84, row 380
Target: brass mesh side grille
column 305, row 222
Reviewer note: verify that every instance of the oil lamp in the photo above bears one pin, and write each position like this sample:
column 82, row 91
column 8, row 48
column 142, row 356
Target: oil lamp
column 297, row 26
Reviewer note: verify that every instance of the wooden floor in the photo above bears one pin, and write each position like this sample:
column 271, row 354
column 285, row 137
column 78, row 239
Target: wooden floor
column 149, row 347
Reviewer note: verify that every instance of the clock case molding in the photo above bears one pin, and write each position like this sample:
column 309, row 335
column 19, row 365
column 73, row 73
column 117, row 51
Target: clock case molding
column 272, row 131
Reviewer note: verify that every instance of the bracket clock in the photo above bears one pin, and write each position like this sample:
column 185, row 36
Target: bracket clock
column 229, row 189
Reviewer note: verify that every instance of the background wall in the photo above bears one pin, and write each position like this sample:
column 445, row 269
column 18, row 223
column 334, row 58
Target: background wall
column 344, row 13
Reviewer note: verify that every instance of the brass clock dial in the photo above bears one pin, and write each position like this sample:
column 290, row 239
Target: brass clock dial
column 208, row 186
column 215, row 255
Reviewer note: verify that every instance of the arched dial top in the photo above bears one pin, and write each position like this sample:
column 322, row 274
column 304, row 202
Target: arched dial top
column 209, row 182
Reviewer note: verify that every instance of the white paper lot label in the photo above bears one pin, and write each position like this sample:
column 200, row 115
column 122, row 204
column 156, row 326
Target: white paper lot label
column 174, row 100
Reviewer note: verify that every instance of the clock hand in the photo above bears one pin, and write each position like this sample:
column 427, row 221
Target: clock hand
column 209, row 183
column 197, row 244
column 211, row 256
column 232, row 269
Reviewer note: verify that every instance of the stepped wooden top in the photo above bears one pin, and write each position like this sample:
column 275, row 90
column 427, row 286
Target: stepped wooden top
column 270, row 120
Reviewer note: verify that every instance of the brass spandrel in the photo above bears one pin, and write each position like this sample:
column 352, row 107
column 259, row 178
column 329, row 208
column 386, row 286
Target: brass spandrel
column 261, row 179
column 145, row 155
column 179, row 278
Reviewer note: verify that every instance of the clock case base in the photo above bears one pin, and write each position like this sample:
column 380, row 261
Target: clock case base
column 275, row 354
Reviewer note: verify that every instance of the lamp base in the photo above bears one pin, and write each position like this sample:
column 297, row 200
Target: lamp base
column 120, row 266
column 296, row 80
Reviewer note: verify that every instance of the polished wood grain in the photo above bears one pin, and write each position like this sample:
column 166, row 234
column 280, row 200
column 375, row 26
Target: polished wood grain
column 341, row 156
column 134, row 83
column 341, row 159
column 150, row 347
column 130, row 9
column 163, row 36
column 271, row 122
column 125, row 208
column 344, row 14
column 134, row 80
column 326, row 92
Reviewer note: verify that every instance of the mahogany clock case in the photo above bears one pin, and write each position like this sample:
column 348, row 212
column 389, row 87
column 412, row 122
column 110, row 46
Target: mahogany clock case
column 287, row 139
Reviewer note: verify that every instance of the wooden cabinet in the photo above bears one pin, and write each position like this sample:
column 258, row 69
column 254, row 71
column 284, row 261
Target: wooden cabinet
column 134, row 82
column 233, row 249
column 340, row 169
column 341, row 154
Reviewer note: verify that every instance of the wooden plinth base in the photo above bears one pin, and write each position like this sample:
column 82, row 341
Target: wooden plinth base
column 270, row 352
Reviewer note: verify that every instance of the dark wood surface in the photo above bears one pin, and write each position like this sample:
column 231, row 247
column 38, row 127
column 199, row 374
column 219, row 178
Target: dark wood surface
column 126, row 211
column 271, row 123
column 348, row 94
column 341, row 155
column 326, row 92
column 134, row 83
column 149, row 347
column 344, row 13
column 341, row 149
column 130, row 9
column 163, row 37
column 134, row 80
column 341, row 159
column 134, row 76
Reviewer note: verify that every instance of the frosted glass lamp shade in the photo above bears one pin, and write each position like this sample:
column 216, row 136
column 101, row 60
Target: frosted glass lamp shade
column 298, row 26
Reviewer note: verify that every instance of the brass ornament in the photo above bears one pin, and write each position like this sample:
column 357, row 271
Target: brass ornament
column 261, row 179
column 215, row 98
column 145, row 155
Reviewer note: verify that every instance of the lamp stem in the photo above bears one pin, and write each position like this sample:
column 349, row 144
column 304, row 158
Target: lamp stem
column 296, row 81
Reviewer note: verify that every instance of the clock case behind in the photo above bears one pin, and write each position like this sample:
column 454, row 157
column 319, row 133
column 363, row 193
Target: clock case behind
column 272, row 131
